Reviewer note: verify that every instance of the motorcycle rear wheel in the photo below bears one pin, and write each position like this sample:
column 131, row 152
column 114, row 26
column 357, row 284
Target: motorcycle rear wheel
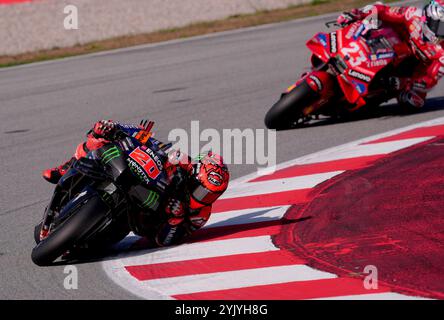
column 69, row 232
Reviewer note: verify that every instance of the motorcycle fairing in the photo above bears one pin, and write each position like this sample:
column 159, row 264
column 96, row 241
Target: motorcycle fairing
column 358, row 58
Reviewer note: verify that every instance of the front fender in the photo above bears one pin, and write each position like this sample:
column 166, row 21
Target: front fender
column 86, row 194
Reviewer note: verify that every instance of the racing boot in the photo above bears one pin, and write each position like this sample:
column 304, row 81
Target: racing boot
column 412, row 100
column 53, row 175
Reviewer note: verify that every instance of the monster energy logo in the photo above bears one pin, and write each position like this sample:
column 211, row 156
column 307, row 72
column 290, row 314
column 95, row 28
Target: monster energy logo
column 200, row 156
column 151, row 200
column 110, row 154
column 136, row 169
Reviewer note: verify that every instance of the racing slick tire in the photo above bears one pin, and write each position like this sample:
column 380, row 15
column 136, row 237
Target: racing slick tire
column 70, row 231
column 289, row 108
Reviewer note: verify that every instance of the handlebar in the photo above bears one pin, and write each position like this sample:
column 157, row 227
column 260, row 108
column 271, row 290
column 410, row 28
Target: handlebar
column 334, row 23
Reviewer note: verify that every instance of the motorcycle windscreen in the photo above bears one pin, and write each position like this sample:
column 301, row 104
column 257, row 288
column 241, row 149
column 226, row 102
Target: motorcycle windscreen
column 318, row 46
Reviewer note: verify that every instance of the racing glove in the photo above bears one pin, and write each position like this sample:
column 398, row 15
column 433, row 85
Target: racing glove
column 348, row 17
column 397, row 84
column 104, row 129
column 394, row 84
column 173, row 229
column 175, row 209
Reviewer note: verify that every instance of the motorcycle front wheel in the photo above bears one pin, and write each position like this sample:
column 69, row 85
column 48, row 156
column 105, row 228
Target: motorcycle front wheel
column 70, row 231
column 289, row 109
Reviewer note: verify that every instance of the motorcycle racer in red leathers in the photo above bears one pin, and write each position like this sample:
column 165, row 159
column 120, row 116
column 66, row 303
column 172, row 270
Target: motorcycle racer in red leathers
column 198, row 184
column 423, row 29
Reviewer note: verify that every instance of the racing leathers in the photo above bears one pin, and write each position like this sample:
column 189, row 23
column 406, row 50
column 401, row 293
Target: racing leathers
column 410, row 23
column 191, row 193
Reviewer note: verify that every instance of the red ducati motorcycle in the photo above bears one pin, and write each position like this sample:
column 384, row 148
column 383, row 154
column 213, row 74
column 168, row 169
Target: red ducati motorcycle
column 351, row 68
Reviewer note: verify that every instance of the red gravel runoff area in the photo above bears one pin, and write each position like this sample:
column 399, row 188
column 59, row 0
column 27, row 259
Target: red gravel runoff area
column 390, row 215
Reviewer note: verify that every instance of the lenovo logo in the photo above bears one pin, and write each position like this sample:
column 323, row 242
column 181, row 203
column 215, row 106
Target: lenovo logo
column 359, row 75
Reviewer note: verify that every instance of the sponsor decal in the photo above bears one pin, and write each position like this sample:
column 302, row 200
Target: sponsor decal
column 152, row 200
column 410, row 13
column 360, row 87
column 154, row 156
column 333, row 42
column 322, row 39
column 148, row 161
column 385, row 55
column 351, row 32
column 128, row 126
column 317, row 81
column 138, row 171
column 215, row 178
column 110, row 154
column 359, row 32
column 379, row 59
column 170, row 235
column 358, row 75
column 377, row 63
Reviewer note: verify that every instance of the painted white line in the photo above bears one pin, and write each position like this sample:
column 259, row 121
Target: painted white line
column 237, row 217
column 236, row 279
column 276, row 186
column 122, row 278
column 310, row 181
column 375, row 296
column 366, row 150
column 347, row 150
column 200, row 250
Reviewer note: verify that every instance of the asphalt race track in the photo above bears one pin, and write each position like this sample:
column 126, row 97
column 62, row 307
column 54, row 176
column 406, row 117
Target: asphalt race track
column 228, row 80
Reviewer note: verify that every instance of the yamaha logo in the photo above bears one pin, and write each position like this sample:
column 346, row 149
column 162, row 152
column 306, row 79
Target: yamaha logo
column 358, row 75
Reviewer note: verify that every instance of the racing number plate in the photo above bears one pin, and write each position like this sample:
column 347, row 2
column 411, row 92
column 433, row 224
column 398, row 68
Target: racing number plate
column 146, row 162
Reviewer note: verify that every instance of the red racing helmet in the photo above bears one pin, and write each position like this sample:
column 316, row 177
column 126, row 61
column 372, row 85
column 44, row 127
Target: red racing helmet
column 209, row 181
